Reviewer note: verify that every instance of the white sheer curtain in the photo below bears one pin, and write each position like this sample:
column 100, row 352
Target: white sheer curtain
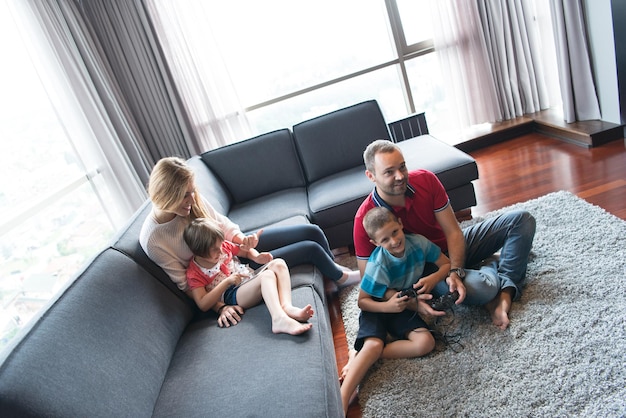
column 194, row 58
column 461, row 49
column 492, row 53
column 78, row 106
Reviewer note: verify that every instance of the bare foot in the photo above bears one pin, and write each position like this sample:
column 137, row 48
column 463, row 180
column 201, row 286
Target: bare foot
column 345, row 369
column 299, row 314
column 286, row 325
column 499, row 309
column 264, row 258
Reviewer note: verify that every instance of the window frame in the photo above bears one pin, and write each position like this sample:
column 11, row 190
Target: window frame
column 404, row 53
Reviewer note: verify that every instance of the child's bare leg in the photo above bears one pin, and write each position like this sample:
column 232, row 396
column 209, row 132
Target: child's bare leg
column 499, row 308
column 279, row 267
column 281, row 321
column 357, row 367
column 265, row 288
column 344, row 370
column 419, row 343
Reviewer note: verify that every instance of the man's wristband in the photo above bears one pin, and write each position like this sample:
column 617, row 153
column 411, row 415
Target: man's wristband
column 221, row 308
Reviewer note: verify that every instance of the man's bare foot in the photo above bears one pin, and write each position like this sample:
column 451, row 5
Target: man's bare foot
column 344, row 371
column 499, row 309
column 287, row 325
column 299, row 314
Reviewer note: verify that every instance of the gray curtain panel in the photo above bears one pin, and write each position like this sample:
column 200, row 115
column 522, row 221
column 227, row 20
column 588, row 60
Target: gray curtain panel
column 123, row 35
column 580, row 101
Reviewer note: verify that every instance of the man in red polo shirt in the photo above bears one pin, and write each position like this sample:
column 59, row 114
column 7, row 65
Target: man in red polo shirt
column 419, row 199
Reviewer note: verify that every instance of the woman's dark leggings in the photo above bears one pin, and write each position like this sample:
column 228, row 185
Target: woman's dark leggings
column 300, row 244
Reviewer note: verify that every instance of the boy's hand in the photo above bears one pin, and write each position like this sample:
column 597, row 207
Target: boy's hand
column 397, row 304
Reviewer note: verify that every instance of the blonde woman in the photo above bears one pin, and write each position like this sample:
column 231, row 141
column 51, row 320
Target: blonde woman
column 176, row 202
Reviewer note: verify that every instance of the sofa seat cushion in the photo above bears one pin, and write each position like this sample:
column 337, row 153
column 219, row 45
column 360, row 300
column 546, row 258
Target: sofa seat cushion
column 336, row 198
column 453, row 167
column 246, row 370
column 270, row 209
column 101, row 349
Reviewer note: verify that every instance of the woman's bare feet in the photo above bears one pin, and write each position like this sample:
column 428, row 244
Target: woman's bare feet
column 299, row 314
column 499, row 308
column 287, row 325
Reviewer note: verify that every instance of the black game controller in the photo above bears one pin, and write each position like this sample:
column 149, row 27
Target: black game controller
column 409, row 291
column 444, row 302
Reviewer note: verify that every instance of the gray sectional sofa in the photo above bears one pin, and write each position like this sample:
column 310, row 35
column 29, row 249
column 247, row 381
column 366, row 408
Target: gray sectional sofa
column 122, row 341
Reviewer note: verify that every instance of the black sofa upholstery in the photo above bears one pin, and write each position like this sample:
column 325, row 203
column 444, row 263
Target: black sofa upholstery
column 121, row 340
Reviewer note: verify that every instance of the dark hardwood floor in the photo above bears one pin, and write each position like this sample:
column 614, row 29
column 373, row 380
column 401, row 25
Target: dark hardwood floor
column 525, row 168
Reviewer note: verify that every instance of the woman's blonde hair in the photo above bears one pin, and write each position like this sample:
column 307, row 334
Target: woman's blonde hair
column 168, row 184
column 202, row 234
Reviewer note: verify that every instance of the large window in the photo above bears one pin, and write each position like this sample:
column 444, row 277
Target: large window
column 309, row 60
column 55, row 210
column 288, row 61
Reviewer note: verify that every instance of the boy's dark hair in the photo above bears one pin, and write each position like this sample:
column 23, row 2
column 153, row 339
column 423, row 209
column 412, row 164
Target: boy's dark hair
column 376, row 218
column 201, row 235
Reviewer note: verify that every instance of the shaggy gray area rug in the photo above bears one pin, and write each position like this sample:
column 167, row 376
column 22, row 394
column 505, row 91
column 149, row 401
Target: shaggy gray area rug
column 564, row 352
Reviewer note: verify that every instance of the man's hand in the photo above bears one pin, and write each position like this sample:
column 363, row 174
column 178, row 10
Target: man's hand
column 455, row 283
column 424, row 308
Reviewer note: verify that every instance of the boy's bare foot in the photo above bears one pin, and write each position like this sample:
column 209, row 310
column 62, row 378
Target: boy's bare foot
column 345, row 369
column 287, row 325
column 499, row 309
column 299, row 314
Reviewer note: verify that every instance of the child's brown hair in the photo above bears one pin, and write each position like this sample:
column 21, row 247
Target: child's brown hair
column 376, row 218
column 201, row 235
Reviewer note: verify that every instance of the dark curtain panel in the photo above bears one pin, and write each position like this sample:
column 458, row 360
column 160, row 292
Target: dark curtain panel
column 125, row 41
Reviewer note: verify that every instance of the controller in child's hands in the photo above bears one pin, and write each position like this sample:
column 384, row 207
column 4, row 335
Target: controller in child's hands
column 444, row 302
column 409, row 291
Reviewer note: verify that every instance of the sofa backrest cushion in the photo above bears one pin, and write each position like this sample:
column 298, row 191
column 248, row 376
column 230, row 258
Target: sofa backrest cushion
column 335, row 142
column 127, row 242
column 210, row 186
column 257, row 166
column 102, row 348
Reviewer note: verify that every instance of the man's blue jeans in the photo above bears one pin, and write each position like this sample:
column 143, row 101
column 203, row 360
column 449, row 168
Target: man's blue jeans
column 511, row 233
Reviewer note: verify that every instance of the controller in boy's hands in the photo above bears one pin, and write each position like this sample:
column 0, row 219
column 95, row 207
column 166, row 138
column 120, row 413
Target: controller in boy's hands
column 444, row 302
column 409, row 291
